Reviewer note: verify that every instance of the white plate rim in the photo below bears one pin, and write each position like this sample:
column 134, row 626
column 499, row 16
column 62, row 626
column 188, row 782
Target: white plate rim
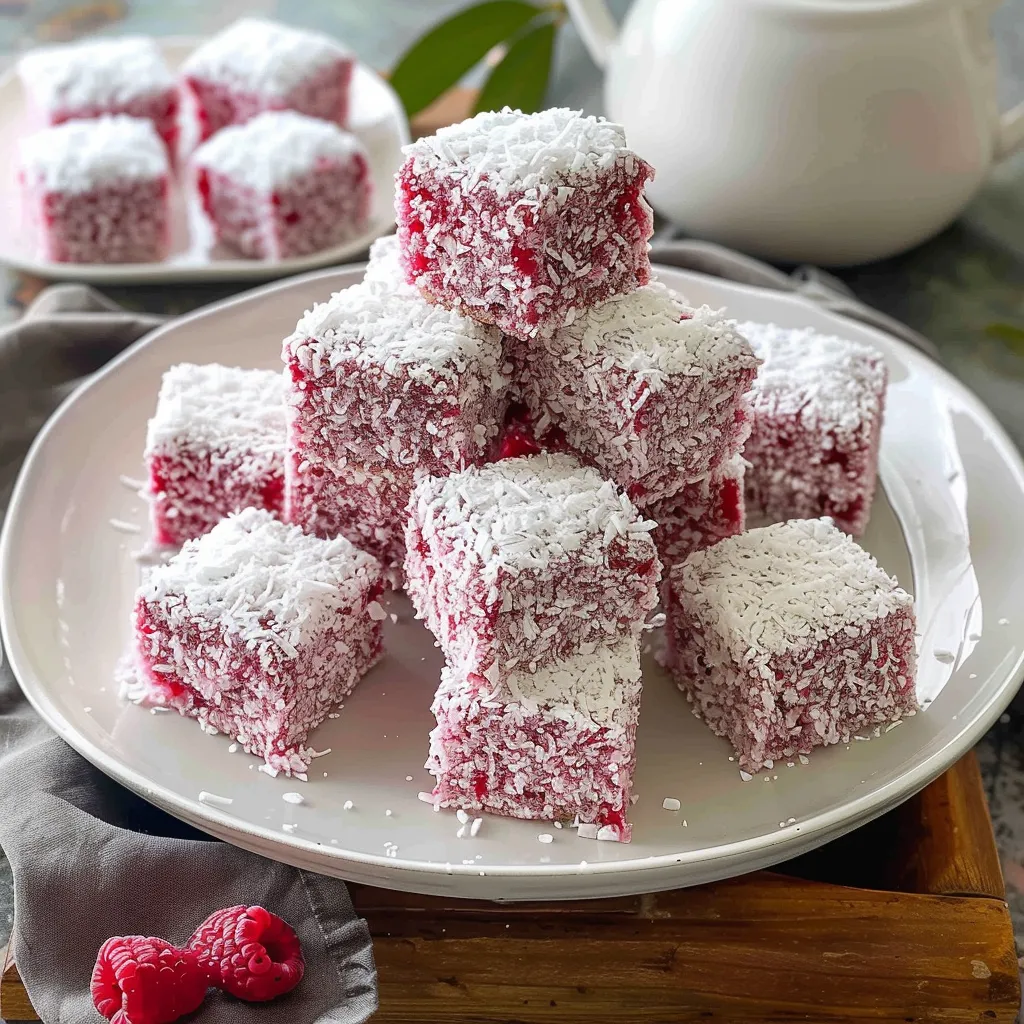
column 239, row 269
column 814, row 831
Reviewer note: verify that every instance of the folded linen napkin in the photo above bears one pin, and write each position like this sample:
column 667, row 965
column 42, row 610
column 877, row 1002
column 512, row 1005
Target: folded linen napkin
column 90, row 859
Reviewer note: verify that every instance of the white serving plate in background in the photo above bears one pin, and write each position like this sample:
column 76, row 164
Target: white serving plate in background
column 946, row 522
column 377, row 118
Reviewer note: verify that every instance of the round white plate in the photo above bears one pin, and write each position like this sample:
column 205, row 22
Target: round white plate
column 377, row 118
column 68, row 576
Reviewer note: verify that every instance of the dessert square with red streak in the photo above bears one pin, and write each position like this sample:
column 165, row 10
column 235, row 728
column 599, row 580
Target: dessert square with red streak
column 555, row 745
column 256, row 65
column 385, row 388
column 258, row 630
column 701, row 514
column 215, row 445
column 646, row 388
column 96, row 191
column 283, row 185
column 790, row 637
column 524, row 220
column 103, row 76
column 522, row 563
column 366, row 505
column 817, row 409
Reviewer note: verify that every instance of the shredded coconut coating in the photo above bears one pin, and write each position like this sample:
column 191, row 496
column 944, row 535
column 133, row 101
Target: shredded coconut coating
column 524, row 220
column 515, row 152
column 526, row 513
column 215, row 445
column 94, row 75
column 258, row 630
column 788, row 637
column 648, row 389
column 263, row 581
column 390, row 330
column 79, row 156
column 384, row 268
column 817, row 407
column 263, row 56
column 701, row 514
column 524, row 562
column 385, row 388
column 366, row 505
column 276, row 147
column 654, row 333
column 219, row 408
column 559, row 746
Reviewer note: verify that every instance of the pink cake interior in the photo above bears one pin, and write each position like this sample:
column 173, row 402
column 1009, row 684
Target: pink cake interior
column 561, row 225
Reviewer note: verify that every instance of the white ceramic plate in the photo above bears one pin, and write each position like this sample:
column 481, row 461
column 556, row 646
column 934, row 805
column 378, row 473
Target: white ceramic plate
column 377, row 118
column 68, row 576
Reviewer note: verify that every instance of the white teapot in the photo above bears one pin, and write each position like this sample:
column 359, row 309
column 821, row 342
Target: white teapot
column 824, row 131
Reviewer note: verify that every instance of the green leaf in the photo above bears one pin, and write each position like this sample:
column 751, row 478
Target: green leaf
column 1009, row 335
column 437, row 61
column 521, row 79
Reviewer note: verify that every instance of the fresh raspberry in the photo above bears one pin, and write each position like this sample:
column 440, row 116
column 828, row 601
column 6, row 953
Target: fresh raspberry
column 140, row 980
column 249, row 952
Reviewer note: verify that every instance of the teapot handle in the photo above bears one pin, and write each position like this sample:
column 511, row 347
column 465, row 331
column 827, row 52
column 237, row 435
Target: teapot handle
column 596, row 27
column 1010, row 136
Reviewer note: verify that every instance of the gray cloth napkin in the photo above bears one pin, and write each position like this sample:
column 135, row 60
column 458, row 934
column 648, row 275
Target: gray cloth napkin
column 92, row 860
column 89, row 858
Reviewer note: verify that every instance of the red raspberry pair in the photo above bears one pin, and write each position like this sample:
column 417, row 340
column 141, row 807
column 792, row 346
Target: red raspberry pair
column 246, row 951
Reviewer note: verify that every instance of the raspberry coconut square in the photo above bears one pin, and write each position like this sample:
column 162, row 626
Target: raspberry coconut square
column 96, row 191
column 790, row 637
column 256, row 65
column 385, row 387
column 368, row 506
column 701, row 514
column 106, row 76
column 555, row 745
column 257, row 630
column 818, row 404
column 524, row 220
column 525, row 562
column 215, row 445
column 648, row 389
column 283, row 185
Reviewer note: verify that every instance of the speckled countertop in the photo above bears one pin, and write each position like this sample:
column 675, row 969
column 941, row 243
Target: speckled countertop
column 964, row 289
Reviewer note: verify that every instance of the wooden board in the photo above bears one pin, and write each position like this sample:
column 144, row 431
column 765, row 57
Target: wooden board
column 904, row 921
